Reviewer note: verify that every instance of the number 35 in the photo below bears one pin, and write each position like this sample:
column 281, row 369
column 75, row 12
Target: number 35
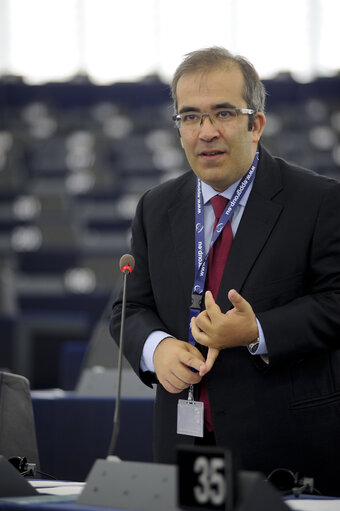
column 211, row 479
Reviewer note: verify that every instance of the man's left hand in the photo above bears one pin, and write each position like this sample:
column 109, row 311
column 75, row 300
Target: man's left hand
column 237, row 327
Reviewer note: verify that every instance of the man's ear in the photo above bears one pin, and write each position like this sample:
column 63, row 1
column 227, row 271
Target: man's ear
column 258, row 126
column 180, row 138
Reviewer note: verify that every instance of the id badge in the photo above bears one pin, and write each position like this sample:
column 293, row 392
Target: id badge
column 190, row 417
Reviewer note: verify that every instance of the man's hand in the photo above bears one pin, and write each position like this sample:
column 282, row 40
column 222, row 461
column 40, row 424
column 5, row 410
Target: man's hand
column 173, row 360
column 211, row 357
column 237, row 327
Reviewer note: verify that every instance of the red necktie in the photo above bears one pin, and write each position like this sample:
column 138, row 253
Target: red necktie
column 217, row 260
column 219, row 252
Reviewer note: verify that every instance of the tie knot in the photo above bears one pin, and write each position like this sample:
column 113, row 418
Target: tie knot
column 218, row 203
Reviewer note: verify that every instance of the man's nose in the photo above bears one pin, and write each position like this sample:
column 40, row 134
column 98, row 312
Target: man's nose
column 208, row 128
column 202, row 119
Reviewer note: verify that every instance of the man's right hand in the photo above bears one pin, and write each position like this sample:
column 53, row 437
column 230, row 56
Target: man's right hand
column 173, row 360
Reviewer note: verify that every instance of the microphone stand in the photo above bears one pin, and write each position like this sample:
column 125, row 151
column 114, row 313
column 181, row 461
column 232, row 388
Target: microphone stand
column 115, row 484
column 116, row 419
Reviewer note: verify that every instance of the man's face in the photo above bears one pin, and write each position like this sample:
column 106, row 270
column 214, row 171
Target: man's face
column 219, row 154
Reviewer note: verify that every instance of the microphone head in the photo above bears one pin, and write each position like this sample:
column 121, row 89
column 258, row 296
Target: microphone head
column 127, row 263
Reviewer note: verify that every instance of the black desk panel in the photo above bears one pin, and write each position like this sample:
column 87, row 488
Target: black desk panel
column 72, row 431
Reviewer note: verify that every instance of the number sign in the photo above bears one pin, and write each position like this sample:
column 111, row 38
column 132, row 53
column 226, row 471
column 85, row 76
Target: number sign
column 205, row 478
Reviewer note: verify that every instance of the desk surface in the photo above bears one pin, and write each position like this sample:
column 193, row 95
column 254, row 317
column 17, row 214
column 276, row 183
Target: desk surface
column 41, row 503
column 73, row 431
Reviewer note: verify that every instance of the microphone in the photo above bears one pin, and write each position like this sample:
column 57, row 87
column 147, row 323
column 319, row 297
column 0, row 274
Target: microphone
column 126, row 264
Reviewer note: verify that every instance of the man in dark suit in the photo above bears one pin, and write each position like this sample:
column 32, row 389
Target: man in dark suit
column 266, row 348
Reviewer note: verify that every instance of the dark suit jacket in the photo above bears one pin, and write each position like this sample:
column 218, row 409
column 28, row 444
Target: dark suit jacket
column 285, row 260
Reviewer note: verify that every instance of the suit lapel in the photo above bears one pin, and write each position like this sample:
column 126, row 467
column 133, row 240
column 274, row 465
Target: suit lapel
column 181, row 216
column 259, row 218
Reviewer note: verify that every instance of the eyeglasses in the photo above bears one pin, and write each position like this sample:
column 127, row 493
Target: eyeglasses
column 192, row 120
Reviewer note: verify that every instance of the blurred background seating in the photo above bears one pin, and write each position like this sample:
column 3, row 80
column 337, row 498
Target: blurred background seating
column 74, row 160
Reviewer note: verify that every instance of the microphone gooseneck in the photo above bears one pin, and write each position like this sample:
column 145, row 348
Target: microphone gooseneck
column 126, row 264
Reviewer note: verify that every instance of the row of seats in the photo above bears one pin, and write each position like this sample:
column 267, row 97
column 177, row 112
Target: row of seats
column 74, row 160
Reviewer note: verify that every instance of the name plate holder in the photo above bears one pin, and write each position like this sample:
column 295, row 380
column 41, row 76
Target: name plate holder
column 130, row 485
column 205, row 479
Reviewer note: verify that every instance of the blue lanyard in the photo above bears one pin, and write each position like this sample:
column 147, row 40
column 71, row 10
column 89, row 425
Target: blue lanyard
column 201, row 260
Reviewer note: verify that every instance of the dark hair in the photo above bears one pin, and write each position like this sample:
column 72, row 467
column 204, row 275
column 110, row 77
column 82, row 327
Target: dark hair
column 215, row 57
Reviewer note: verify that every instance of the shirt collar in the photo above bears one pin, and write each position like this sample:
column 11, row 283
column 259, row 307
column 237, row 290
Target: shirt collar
column 208, row 192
